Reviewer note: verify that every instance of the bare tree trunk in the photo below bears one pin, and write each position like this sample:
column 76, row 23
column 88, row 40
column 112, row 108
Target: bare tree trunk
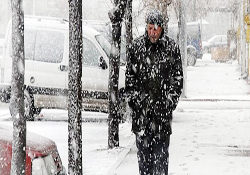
column 194, row 10
column 128, row 21
column 75, row 88
column 17, row 91
column 115, row 16
column 183, row 42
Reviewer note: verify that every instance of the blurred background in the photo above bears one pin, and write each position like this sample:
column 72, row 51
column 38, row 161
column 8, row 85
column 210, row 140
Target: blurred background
column 218, row 16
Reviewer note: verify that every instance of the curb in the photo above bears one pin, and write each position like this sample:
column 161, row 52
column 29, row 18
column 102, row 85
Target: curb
column 213, row 99
column 120, row 159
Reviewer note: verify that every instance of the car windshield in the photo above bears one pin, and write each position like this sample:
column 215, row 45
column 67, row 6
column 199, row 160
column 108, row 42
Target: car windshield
column 44, row 165
column 106, row 46
column 211, row 39
column 219, row 38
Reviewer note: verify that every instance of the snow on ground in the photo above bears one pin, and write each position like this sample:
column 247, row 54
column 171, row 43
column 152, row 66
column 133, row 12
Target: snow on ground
column 205, row 142
column 210, row 142
column 210, row 128
column 208, row 79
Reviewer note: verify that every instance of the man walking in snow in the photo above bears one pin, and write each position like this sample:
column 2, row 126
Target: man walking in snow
column 154, row 82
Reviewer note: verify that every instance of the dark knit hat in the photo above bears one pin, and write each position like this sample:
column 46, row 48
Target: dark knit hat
column 155, row 17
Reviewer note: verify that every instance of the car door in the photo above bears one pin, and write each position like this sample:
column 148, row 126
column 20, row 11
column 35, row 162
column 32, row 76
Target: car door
column 94, row 76
column 49, row 79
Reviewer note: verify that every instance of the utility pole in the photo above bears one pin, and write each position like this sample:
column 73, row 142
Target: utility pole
column 18, row 161
column 75, row 88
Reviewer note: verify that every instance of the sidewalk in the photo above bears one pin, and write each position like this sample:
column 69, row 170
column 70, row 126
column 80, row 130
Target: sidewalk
column 209, row 126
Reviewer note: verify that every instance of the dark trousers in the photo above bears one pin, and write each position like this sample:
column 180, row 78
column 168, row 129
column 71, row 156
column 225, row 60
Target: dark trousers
column 152, row 154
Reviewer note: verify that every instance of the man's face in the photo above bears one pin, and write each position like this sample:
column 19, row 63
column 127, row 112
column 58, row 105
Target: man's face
column 154, row 32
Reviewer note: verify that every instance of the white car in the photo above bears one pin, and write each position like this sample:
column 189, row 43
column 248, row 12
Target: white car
column 215, row 41
column 46, row 66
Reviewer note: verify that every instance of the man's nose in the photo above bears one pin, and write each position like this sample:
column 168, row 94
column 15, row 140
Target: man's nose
column 153, row 33
column 153, row 30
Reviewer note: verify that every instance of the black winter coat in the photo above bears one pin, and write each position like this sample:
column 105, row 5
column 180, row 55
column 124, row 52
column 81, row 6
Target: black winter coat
column 154, row 82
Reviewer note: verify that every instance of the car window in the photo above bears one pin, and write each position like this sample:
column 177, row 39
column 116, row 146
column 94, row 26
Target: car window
column 224, row 39
column 44, row 165
column 49, row 46
column 217, row 40
column 29, row 44
column 106, row 46
column 91, row 54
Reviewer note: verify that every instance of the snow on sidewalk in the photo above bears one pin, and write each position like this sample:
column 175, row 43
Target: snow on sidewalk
column 208, row 79
column 204, row 142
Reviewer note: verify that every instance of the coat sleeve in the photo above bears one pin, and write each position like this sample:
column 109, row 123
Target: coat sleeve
column 176, row 82
column 130, row 80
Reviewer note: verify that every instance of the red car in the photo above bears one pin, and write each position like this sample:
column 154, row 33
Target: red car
column 42, row 156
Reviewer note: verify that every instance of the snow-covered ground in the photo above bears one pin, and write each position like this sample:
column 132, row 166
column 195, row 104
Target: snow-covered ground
column 210, row 128
column 205, row 142
column 208, row 79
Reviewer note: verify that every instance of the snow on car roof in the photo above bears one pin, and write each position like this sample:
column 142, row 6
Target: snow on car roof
column 34, row 142
column 216, row 36
column 33, row 22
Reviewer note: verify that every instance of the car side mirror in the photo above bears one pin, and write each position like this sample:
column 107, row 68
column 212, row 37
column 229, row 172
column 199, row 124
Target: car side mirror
column 102, row 63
